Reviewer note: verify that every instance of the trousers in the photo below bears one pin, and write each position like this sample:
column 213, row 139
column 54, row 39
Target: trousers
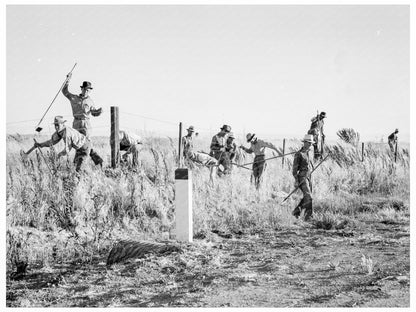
column 81, row 154
column 306, row 201
column 93, row 154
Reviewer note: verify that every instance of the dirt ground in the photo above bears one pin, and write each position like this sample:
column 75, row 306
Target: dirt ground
column 366, row 264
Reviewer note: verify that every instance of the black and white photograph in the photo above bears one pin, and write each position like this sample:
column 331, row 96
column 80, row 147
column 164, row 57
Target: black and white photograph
column 208, row 155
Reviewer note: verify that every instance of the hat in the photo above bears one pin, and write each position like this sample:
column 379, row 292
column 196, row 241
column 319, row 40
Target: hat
column 250, row 137
column 86, row 84
column 231, row 135
column 191, row 128
column 226, row 128
column 322, row 114
column 58, row 120
column 308, row 138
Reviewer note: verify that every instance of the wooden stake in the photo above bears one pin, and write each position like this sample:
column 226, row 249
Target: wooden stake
column 395, row 153
column 283, row 158
column 362, row 151
column 114, row 138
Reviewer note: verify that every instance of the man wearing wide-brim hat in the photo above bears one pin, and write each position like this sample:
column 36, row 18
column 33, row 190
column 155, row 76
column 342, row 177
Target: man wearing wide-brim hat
column 317, row 130
column 82, row 107
column 301, row 172
column 217, row 147
column 258, row 147
column 187, row 141
column 71, row 138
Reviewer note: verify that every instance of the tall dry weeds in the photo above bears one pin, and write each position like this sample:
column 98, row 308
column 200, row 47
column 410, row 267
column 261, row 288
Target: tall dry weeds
column 83, row 214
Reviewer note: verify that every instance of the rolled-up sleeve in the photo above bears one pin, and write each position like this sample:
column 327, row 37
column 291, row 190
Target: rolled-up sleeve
column 248, row 150
column 66, row 92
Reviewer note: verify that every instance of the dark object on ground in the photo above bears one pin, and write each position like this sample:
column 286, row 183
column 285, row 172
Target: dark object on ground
column 21, row 267
column 124, row 250
column 222, row 234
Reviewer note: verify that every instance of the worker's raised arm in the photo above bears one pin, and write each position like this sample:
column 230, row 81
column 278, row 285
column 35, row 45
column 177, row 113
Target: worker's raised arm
column 65, row 90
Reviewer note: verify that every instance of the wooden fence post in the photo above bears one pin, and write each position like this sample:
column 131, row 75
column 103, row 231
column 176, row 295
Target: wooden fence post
column 395, row 153
column 180, row 146
column 114, row 138
column 362, row 151
column 283, row 158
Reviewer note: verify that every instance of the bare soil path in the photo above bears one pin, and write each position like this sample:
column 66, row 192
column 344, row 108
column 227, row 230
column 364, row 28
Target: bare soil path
column 366, row 265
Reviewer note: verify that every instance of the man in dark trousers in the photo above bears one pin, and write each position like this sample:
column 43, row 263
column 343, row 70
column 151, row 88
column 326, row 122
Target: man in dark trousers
column 317, row 130
column 392, row 139
column 82, row 107
column 302, row 173
column 217, row 147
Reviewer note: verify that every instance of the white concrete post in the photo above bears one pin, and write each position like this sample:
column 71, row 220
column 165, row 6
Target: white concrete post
column 183, row 205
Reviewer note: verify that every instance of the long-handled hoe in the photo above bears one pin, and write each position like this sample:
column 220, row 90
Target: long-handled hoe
column 39, row 129
column 297, row 187
column 25, row 154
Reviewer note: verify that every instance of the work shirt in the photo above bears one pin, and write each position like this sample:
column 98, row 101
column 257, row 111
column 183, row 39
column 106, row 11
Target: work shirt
column 259, row 146
column 301, row 164
column 203, row 159
column 128, row 139
column 71, row 137
column 231, row 149
column 393, row 137
column 187, row 144
column 81, row 106
column 317, row 126
column 217, row 142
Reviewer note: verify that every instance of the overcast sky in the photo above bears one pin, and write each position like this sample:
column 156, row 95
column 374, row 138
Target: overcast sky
column 266, row 69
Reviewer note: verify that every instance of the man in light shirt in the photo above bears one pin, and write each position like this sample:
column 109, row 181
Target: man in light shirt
column 82, row 107
column 71, row 138
column 130, row 144
column 258, row 147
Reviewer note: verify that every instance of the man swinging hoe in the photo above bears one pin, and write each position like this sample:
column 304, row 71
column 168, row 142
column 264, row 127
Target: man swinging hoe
column 71, row 138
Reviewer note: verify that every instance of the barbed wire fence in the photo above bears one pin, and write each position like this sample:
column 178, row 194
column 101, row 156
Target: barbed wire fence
column 170, row 128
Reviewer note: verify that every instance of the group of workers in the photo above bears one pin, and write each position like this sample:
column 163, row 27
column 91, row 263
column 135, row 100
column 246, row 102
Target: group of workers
column 223, row 149
column 78, row 136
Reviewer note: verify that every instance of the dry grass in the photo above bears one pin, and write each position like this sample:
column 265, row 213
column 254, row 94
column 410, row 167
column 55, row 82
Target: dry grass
column 61, row 215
